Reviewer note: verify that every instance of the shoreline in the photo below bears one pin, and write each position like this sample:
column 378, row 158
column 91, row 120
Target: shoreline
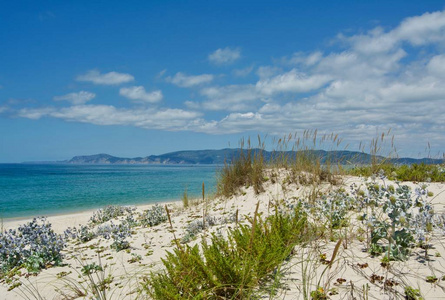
column 61, row 221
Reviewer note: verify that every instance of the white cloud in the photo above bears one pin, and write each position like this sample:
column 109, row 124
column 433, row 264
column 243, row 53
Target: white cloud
column 305, row 59
column 292, row 81
column 231, row 97
column 268, row 71
column 35, row 113
column 183, row 80
column 225, row 56
column 428, row 28
column 243, row 72
column 164, row 119
column 110, row 78
column 436, row 66
column 192, row 104
column 139, row 93
column 76, row 98
column 3, row 109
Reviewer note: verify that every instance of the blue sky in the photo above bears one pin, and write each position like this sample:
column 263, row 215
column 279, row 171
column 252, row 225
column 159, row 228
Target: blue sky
column 134, row 78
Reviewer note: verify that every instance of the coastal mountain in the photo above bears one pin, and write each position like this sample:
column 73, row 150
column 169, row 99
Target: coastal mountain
column 227, row 155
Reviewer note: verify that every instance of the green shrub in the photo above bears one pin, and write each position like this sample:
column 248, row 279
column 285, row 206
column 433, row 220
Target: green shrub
column 229, row 267
column 415, row 172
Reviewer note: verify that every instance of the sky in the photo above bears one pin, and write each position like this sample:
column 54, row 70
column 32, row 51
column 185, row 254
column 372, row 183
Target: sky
column 135, row 78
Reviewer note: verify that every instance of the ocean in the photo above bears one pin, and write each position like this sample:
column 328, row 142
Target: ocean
column 28, row 190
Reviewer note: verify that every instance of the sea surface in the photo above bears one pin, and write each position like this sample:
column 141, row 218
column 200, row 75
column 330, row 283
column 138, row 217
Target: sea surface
column 28, row 190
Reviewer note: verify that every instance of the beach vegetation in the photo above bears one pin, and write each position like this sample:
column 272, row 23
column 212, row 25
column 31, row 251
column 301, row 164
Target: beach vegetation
column 195, row 227
column 415, row 172
column 185, row 199
column 247, row 169
column 153, row 216
column 412, row 293
column 229, row 267
column 396, row 217
column 110, row 212
column 33, row 246
column 95, row 281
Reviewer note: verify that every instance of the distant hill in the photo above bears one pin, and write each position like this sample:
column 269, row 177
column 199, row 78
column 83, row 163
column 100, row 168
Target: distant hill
column 226, row 155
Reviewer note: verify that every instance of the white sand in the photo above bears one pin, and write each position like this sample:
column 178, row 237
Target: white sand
column 159, row 239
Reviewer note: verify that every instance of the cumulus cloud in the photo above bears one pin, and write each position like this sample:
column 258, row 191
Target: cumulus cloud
column 165, row 119
column 292, row 81
column 225, row 56
column 436, row 66
column 138, row 93
column 110, row 78
column 35, row 113
column 76, row 98
column 306, row 59
column 243, row 72
column 428, row 28
column 231, row 97
column 183, row 80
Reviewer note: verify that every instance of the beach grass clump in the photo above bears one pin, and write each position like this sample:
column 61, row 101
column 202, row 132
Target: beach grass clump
column 33, row 246
column 305, row 164
column 229, row 267
column 93, row 281
column 247, row 169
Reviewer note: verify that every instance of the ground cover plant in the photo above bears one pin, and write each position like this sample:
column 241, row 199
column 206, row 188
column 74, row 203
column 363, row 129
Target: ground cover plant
column 396, row 218
column 101, row 225
column 33, row 246
column 109, row 212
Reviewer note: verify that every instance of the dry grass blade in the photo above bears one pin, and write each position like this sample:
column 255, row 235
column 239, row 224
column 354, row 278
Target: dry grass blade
column 334, row 254
column 172, row 229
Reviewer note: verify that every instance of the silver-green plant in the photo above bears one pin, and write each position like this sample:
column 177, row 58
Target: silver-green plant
column 153, row 216
column 110, row 212
column 395, row 216
column 33, row 245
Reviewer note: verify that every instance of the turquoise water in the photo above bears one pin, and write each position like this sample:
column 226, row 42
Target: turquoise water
column 35, row 190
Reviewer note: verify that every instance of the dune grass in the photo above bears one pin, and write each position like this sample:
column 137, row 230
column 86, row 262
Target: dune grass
column 296, row 154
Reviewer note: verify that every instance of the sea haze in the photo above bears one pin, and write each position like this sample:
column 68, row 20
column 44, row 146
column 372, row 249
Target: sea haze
column 28, row 190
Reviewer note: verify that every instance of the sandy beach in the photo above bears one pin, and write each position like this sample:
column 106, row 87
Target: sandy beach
column 354, row 274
